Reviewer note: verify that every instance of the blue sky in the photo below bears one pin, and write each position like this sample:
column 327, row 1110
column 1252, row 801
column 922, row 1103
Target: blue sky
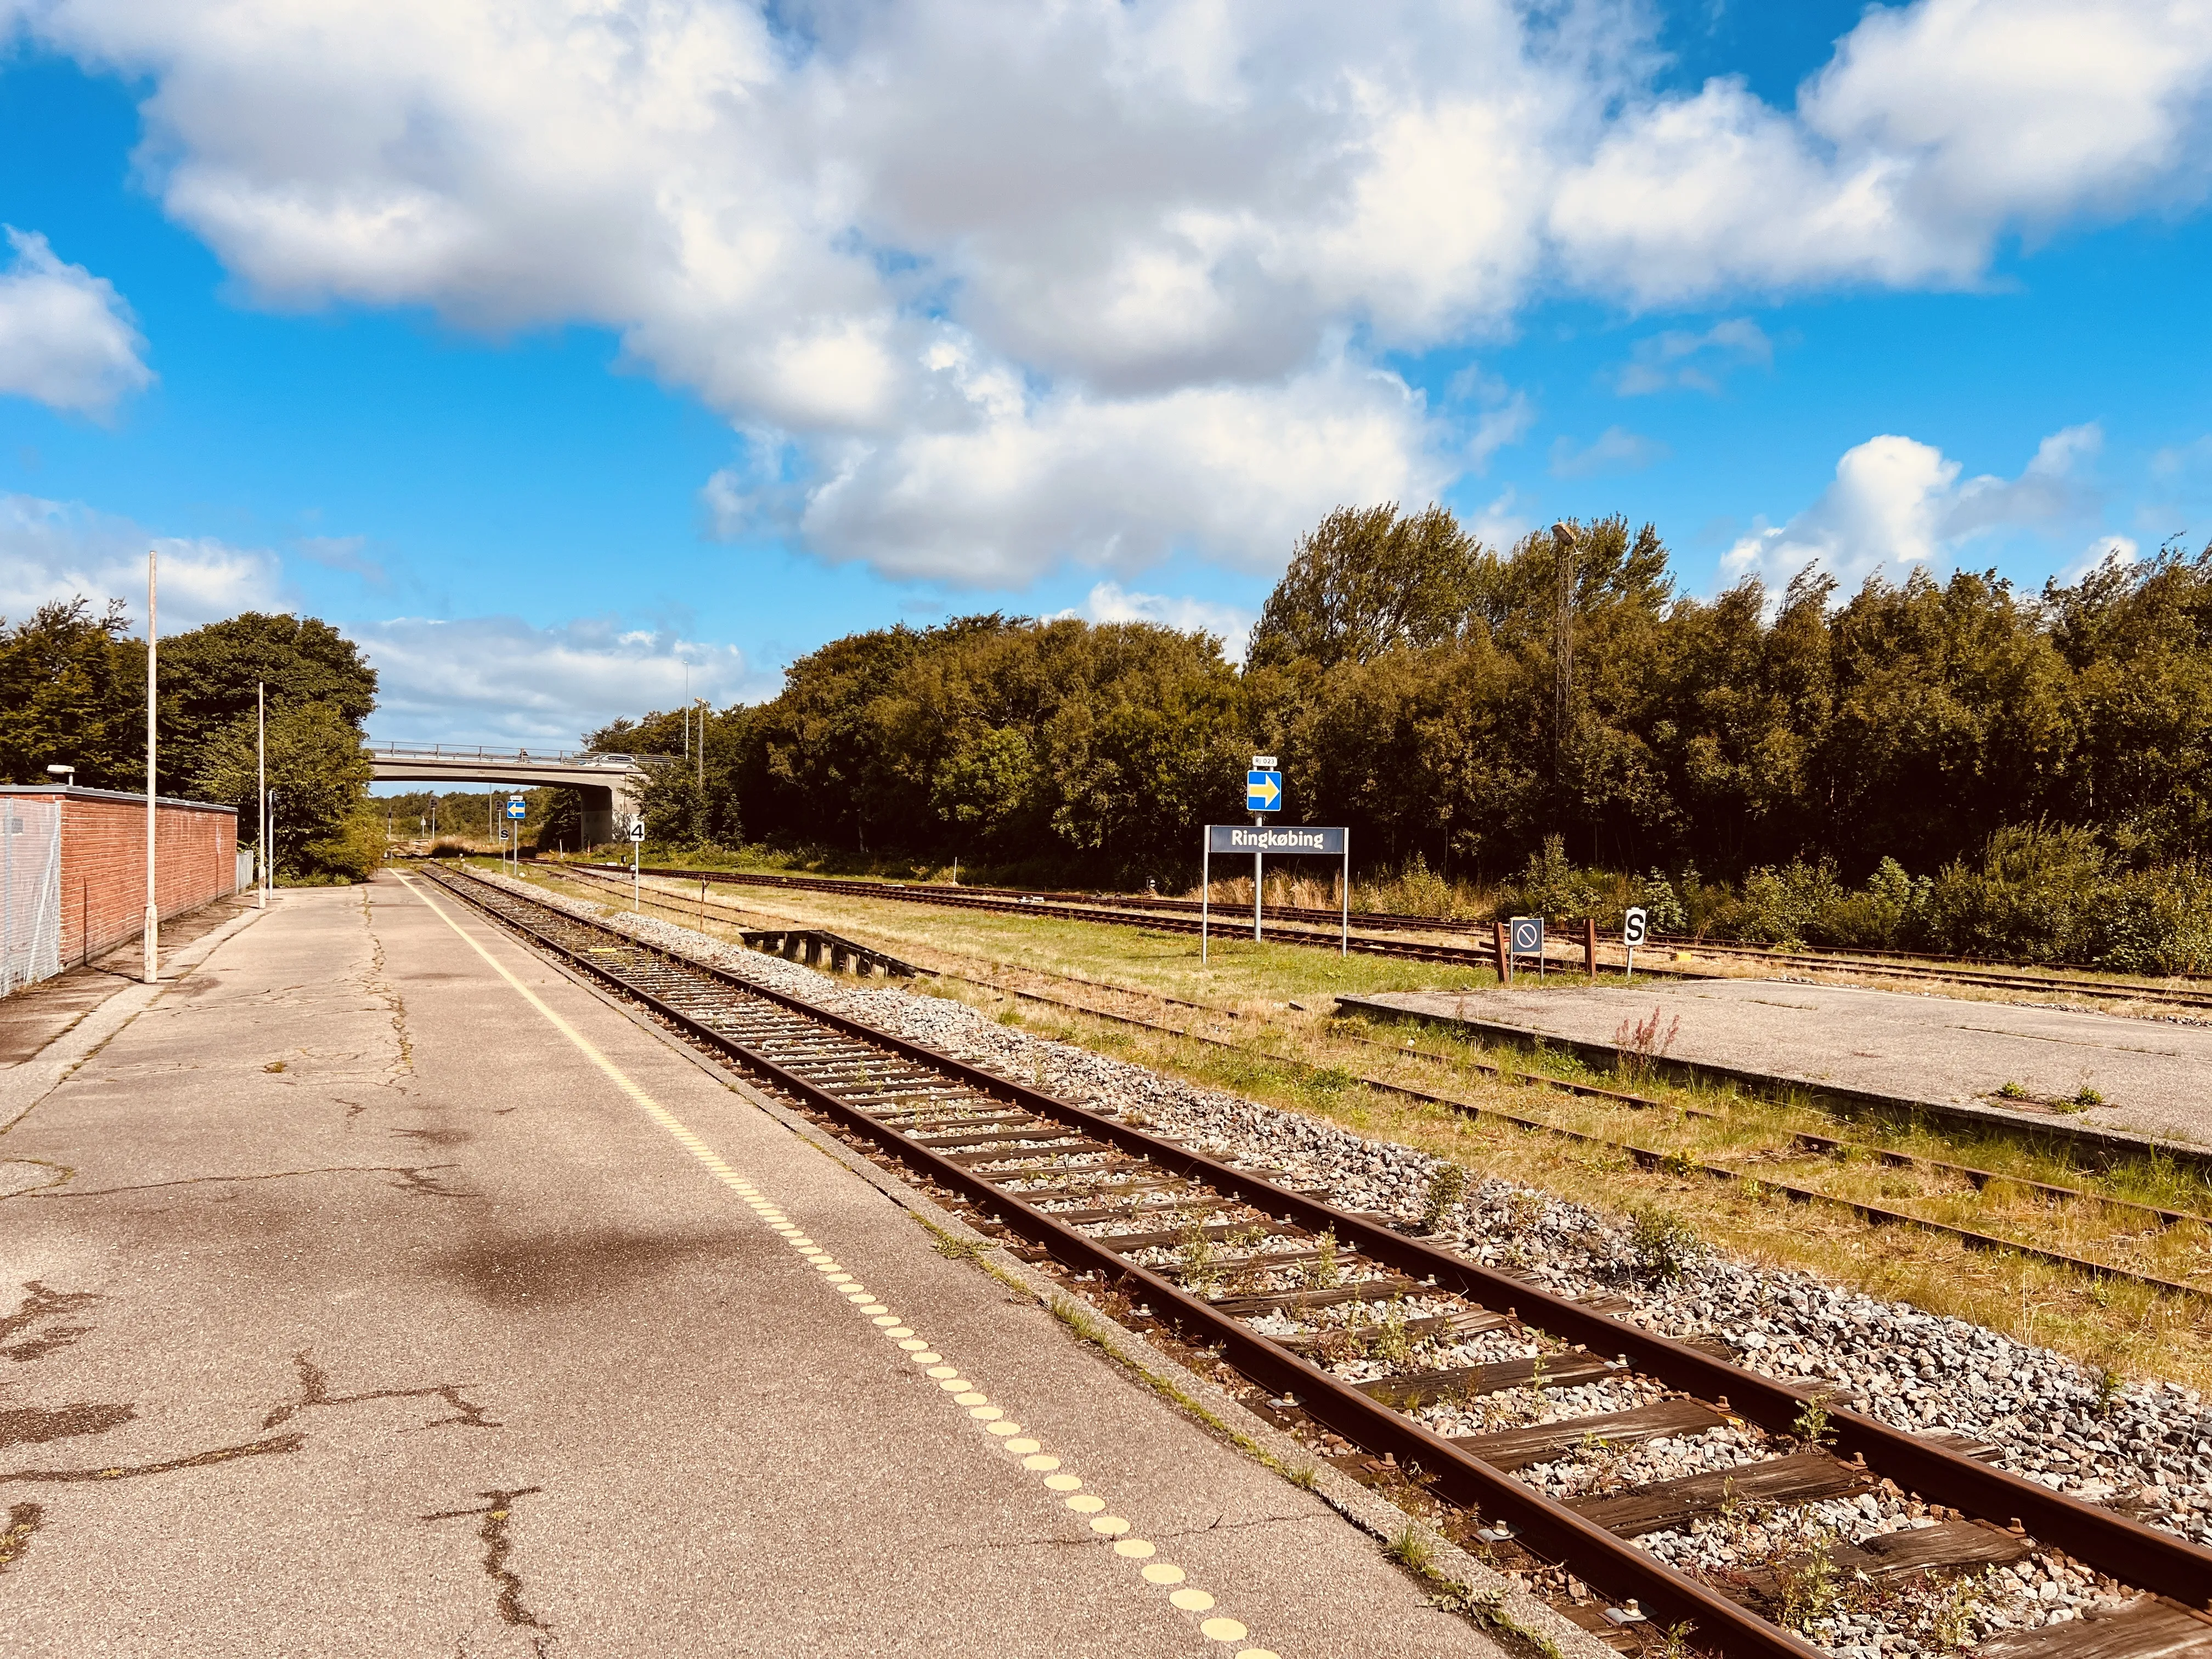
column 568, row 357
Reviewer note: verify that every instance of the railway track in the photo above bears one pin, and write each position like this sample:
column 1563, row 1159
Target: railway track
column 1644, row 1156
column 1386, row 1340
column 1298, row 925
column 1158, row 915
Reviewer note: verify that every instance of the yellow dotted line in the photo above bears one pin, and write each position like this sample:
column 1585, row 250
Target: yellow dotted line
column 1015, row 1440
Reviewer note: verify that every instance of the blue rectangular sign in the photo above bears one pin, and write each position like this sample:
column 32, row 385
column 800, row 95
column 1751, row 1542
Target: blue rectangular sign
column 516, row 809
column 1263, row 792
column 1276, row 838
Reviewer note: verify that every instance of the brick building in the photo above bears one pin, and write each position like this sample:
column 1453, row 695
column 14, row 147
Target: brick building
column 73, row 871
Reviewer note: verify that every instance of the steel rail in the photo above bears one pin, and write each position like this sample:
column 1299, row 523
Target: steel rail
column 1646, row 1157
column 2125, row 1549
column 1969, row 970
column 1596, row 1555
column 1111, row 915
column 1828, row 1145
column 1649, row 1158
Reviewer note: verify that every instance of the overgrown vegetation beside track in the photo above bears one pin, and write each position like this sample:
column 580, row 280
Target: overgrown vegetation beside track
column 1307, row 1060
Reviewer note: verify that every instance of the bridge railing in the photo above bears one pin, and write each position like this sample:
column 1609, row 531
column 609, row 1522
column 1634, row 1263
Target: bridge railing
column 593, row 758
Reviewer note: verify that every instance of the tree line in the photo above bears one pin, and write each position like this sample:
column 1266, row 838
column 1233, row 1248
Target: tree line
column 73, row 692
column 1464, row 709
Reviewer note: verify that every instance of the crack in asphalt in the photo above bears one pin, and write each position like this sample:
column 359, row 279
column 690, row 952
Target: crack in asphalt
column 499, row 1508
column 315, row 1390
column 23, row 1520
column 41, row 1303
column 29, row 1426
column 278, row 1443
column 379, row 984
column 413, row 1178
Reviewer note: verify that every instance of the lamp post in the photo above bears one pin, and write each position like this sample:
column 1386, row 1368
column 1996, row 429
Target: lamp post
column 261, row 785
column 66, row 774
column 152, row 922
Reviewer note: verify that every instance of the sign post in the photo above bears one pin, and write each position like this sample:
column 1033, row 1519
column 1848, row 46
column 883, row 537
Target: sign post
column 1525, row 938
column 1632, row 934
column 517, row 810
column 636, row 846
column 1332, row 841
column 1263, row 793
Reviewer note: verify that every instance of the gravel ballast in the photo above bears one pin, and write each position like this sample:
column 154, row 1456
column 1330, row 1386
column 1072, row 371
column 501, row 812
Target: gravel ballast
column 2145, row 1446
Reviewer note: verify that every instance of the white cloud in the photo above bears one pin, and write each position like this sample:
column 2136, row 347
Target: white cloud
column 1896, row 502
column 499, row 680
column 2120, row 549
column 491, row 679
column 2178, row 461
column 1698, row 363
column 344, row 553
column 1108, row 602
column 60, row 549
column 1008, row 482
column 1616, row 449
column 66, row 336
column 976, row 279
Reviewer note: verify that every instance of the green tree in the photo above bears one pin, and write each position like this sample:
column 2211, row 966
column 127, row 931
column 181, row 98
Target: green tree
column 207, row 677
column 73, row 692
column 1367, row 580
column 319, row 770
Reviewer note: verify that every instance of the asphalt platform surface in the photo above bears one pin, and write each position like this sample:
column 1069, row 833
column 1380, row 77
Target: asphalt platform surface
column 1943, row 1049
column 353, row 1301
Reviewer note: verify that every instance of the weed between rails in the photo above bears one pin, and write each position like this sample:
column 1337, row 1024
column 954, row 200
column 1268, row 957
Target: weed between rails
column 1311, row 1063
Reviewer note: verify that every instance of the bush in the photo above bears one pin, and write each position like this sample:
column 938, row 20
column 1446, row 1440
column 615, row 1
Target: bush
column 2034, row 898
column 1551, row 885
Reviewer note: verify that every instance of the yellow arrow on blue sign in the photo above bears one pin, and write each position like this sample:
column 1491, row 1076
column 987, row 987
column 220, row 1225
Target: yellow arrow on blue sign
column 1263, row 790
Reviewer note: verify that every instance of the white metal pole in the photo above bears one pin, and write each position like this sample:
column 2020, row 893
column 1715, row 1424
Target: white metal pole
column 261, row 787
column 1205, row 889
column 152, row 922
column 636, row 882
column 1344, row 941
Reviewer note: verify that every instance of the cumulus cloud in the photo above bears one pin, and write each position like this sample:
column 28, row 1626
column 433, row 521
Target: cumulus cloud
column 1615, row 450
column 1010, row 480
column 499, row 679
column 1896, row 502
column 1697, row 362
column 62, row 550
column 1109, row 602
column 66, row 336
column 936, row 261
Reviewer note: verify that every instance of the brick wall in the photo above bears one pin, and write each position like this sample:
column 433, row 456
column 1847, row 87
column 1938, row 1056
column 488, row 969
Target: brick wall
column 103, row 865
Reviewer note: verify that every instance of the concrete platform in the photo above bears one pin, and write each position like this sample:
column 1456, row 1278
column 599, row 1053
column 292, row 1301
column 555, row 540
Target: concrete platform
column 1941, row 1051
column 387, row 1292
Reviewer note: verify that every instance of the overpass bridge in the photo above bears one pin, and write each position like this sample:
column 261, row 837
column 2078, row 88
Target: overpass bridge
column 612, row 786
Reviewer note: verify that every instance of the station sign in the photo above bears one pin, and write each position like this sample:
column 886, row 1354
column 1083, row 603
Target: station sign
column 1278, row 838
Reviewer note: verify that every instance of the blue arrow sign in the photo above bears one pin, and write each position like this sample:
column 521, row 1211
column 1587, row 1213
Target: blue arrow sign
column 1263, row 792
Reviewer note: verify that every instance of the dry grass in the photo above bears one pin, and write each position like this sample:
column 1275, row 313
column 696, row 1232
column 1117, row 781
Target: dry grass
column 1306, row 1060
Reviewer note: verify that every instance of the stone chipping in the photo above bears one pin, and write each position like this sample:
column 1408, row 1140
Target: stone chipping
column 2145, row 1447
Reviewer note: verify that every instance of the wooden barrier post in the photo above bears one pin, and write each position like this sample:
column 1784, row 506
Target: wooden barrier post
column 1589, row 946
column 1504, row 957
